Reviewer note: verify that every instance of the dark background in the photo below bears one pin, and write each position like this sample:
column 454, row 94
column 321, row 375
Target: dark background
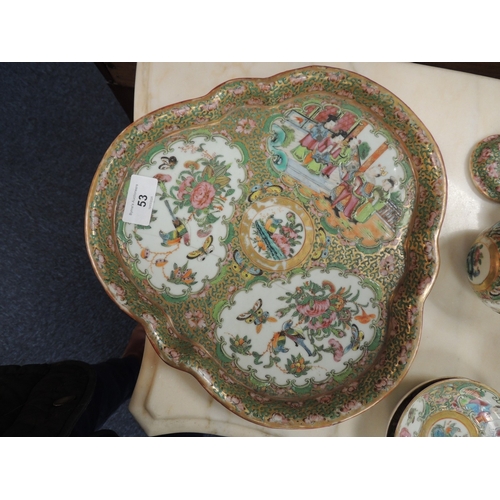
column 56, row 123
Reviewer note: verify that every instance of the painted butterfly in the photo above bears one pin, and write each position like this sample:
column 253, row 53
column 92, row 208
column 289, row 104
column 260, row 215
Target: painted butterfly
column 202, row 252
column 324, row 242
column 267, row 187
column 257, row 316
column 246, row 271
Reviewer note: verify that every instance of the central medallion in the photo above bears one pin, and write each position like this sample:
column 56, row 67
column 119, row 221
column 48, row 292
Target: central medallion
column 276, row 233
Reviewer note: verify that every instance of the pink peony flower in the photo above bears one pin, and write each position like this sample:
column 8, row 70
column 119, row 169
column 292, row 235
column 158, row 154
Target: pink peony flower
column 111, row 243
column 210, row 106
column 325, row 323
column 423, row 285
column 151, row 320
column 117, row 291
column 278, row 418
column 120, row 151
column 401, row 115
column 479, row 182
column 324, row 399
column 99, row 257
column 384, row 383
column 202, row 195
column 185, row 184
column 103, row 182
column 422, row 137
column 172, row 354
column 378, row 110
column 318, row 308
column 412, row 314
column 370, row 89
column 317, row 87
column 432, row 219
column 265, row 87
column 170, row 128
column 438, row 187
column 258, row 397
column 289, row 232
column 352, row 387
column 312, row 419
column 403, row 137
column 338, row 350
column 245, row 126
column 146, row 125
column 422, row 194
column 94, row 220
column 225, row 133
column 350, row 406
column 163, row 177
column 122, row 275
column 195, row 319
column 403, row 355
column 335, row 77
column 387, row 265
column 179, row 112
column 238, row 90
column 429, row 250
column 492, row 169
column 485, row 154
column 282, row 243
column 201, row 352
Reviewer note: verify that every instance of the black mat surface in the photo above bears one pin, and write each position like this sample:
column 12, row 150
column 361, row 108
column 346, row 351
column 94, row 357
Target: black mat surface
column 56, row 122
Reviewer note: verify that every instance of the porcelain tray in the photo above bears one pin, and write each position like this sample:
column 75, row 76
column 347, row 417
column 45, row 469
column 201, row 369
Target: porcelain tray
column 291, row 244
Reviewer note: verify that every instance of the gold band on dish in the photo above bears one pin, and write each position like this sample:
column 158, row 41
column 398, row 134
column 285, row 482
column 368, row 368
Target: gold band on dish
column 245, row 232
column 452, row 415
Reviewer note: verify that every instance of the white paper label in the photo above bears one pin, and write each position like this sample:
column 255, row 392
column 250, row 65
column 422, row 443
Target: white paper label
column 140, row 199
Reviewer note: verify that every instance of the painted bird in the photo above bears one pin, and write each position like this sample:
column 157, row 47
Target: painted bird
column 295, row 336
column 272, row 224
column 174, row 237
column 278, row 342
column 180, row 230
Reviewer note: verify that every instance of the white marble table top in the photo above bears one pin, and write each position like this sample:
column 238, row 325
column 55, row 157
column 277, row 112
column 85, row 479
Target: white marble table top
column 459, row 336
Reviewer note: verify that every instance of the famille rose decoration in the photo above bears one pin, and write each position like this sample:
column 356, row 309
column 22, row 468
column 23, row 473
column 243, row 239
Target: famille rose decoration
column 483, row 267
column 484, row 167
column 456, row 407
column 483, row 259
column 290, row 242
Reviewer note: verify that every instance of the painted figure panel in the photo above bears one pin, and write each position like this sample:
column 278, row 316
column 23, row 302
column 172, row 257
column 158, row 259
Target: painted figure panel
column 357, row 171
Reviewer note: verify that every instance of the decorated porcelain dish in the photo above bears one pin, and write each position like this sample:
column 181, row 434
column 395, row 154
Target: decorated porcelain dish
column 454, row 407
column 483, row 262
column 484, row 167
column 290, row 242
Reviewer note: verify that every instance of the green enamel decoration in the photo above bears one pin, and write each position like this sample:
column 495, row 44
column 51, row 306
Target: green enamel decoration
column 221, row 355
column 283, row 225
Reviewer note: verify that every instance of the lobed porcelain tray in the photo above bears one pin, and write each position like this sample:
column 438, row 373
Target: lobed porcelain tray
column 291, row 243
